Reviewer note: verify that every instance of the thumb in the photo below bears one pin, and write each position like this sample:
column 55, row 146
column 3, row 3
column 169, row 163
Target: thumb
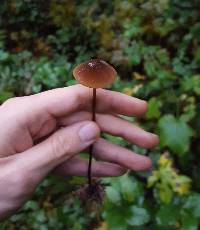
column 59, row 147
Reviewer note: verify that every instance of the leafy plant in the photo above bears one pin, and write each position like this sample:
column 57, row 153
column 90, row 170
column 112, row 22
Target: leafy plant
column 155, row 47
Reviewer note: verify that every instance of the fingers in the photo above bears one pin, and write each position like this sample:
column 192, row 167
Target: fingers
column 117, row 127
column 59, row 147
column 120, row 127
column 78, row 166
column 112, row 153
column 41, row 110
column 115, row 102
column 119, row 158
column 63, row 101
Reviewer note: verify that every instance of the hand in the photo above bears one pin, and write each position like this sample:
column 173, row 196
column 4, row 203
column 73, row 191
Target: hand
column 46, row 131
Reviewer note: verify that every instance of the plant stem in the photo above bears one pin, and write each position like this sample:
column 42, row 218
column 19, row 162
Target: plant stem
column 91, row 147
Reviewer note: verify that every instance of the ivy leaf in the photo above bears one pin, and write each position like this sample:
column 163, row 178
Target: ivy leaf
column 139, row 216
column 174, row 133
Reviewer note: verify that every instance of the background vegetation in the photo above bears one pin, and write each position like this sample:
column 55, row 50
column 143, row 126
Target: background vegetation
column 155, row 47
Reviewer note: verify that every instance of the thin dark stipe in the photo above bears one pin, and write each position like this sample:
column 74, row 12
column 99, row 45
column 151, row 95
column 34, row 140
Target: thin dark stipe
column 91, row 147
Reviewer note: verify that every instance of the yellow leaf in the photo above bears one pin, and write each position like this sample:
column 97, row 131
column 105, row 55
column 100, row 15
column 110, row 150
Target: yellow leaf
column 164, row 160
column 137, row 87
column 103, row 226
column 138, row 76
column 182, row 185
column 128, row 91
column 153, row 178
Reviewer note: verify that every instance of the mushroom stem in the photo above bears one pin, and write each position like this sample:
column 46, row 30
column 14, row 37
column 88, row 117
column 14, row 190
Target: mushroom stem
column 91, row 147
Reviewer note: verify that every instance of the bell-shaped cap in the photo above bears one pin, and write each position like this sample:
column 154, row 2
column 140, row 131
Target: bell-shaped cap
column 95, row 73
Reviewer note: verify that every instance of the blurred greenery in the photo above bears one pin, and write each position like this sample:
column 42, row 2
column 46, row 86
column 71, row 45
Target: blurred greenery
column 155, row 47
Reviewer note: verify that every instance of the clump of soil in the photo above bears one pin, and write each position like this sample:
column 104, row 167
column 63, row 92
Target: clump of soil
column 92, row 196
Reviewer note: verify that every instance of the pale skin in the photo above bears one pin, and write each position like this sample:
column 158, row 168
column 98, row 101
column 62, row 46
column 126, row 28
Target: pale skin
column 45, row 132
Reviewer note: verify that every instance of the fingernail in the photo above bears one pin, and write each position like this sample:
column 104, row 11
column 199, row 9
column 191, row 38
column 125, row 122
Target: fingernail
column 88, row 132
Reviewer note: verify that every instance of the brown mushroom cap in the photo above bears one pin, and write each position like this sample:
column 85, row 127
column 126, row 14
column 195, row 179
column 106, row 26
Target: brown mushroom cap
column 95, row 73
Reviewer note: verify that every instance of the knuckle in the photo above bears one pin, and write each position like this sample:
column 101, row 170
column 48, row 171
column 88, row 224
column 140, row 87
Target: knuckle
column 59, row 146
column 10, row 104
column 75, row 100
column 116, row 157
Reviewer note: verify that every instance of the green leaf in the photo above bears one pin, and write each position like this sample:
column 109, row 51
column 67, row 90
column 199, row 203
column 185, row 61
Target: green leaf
column 193, row 204
column 116, row 222
column 116, row 217
column 40, row 216
column 133, row 28
column 153, row 108
column 71, row 82
column 175, row 134
column 192, row 84
column 134, row 53
column 4, row 95
column 150, row 67
column 116, row 140
column 167, row 215
column 127, row 188
column 3, row 56
column 139, row 216
column 165, row 193
column 31, row 205
column 113, row 195
column 189, row 222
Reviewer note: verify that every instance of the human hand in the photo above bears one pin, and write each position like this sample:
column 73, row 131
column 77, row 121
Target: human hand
column 45, row 131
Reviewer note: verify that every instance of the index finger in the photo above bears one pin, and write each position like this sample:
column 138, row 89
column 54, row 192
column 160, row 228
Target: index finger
column 63, row 101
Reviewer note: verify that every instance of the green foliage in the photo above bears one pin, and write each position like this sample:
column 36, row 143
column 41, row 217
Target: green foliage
column 125, row 195
column 139, row 216
column 170, row 216
column 193, row 203
column 166, row 181
column 154, row 106
column 155, row 47
column 174, row 133
column 167, row 215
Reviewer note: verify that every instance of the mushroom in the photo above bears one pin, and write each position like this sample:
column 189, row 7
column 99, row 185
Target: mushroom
column 94, row 74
